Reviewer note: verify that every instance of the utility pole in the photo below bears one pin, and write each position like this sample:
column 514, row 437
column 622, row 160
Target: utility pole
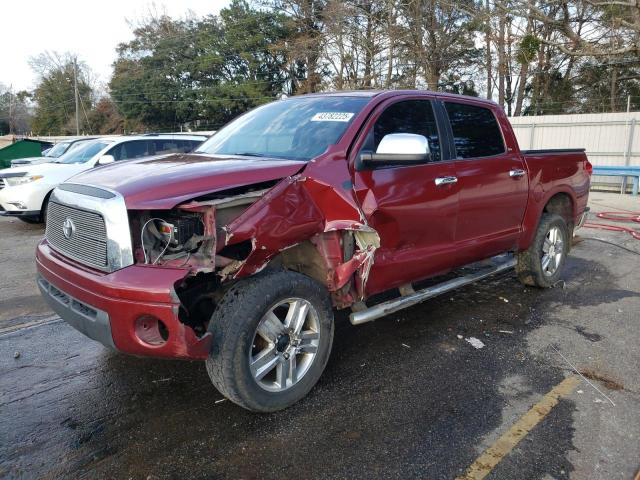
column 75, row 93
column 11, row 109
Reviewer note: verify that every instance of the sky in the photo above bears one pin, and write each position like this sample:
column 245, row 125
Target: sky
column 88, row 28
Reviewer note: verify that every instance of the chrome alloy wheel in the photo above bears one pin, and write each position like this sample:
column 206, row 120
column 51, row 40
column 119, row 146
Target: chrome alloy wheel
column 552, row 251
column 285, row 344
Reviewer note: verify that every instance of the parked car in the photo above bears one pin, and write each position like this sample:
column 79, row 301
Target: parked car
column 52, row 153
column 25, row 191
column 238, row 253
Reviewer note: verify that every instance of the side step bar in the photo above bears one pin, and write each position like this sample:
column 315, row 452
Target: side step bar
column 391, row 306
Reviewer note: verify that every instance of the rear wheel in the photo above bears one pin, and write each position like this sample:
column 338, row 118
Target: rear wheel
column 541, row 265
column 272, row 336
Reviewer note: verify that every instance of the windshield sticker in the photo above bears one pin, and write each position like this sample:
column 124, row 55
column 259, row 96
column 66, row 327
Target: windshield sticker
column 332, row 117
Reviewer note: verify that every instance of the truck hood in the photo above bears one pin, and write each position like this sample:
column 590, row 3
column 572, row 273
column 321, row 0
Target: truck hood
column 164, row 182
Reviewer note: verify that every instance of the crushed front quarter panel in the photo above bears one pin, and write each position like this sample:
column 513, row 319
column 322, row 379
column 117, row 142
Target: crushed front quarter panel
column 320, row 199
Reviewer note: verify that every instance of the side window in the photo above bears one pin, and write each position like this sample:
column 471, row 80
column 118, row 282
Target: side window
column 476, row 132
column 189, row 145
column 410, row 116
column 119, row 151
column 135, row 149
column 166, row 146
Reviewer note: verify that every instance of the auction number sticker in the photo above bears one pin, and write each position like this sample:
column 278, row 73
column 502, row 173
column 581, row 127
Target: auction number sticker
column 332, row 117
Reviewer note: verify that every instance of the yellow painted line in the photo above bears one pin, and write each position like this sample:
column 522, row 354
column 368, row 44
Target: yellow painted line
column 486, row 462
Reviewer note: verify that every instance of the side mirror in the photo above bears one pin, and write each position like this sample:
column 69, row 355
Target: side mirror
column 105, row 160
column 399, row 149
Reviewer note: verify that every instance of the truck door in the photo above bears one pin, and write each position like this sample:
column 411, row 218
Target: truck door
column 412, row 207
column 492, row 179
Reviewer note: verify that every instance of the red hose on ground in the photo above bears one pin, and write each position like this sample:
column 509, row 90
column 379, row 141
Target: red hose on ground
column 617, row 217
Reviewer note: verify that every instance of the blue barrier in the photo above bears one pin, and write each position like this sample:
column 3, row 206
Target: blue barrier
column 621, row 171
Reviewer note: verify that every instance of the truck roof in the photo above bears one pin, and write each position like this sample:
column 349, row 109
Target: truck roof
column 394, row 93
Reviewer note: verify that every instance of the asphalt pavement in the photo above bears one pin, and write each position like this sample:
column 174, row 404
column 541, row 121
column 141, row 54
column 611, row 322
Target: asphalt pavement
column 407, row 396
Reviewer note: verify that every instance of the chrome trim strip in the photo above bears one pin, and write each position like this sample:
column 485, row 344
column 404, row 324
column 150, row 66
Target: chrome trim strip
column 392, row 306
column 116, row 219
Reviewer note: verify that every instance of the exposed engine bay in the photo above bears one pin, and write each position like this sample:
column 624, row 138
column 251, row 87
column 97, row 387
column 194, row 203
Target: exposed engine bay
column 170, row 237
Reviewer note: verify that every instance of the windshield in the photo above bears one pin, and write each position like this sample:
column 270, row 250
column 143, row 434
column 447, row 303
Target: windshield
column 83, row 153
column 57, row 150
column 77, row 144
column 298, row 128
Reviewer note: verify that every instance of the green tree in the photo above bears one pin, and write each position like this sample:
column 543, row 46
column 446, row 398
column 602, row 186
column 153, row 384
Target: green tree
column 54, row 95
column 15, row 111
column 439, row 40
column 105, row 119
column 202, row 72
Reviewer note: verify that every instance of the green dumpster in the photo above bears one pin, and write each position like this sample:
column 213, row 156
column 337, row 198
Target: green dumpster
column 22, row 149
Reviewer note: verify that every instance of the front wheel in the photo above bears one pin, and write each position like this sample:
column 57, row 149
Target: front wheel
column 541, row 265
column 29, row 220
column 272, row 336
column 44, row 210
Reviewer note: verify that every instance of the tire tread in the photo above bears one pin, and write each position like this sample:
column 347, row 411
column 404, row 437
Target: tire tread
column 228, row 323
column 528, row 267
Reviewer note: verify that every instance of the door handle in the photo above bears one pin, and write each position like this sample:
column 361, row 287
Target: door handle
column 517, row 172
column 445, row 180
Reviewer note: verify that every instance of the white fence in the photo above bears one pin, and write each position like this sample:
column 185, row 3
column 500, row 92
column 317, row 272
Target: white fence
column 609, row 138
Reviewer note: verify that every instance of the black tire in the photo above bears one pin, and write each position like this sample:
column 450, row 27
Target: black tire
column 43, row 211
column 29, row 220
column 234, row 325
column 42, row 218
column 530, row 267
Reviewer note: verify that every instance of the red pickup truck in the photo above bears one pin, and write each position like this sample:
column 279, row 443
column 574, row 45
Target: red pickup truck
column 239, row 253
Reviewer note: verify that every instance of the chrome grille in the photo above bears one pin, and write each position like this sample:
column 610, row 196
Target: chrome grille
column 87, row 244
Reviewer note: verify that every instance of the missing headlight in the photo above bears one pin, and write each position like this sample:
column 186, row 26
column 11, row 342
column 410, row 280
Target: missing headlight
column 171, row 237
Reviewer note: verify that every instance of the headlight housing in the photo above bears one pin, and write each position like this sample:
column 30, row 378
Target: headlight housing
column 15, row 181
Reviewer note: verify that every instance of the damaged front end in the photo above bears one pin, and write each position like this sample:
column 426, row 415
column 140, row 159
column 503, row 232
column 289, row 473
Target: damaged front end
column 299, row 223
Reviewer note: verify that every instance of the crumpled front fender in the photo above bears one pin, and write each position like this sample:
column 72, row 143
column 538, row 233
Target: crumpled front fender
column 303, row 207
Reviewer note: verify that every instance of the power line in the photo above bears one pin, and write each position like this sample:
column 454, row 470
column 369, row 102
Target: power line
column 75, row 93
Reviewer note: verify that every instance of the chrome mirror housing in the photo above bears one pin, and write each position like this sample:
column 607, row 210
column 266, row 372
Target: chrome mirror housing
column 404, row 144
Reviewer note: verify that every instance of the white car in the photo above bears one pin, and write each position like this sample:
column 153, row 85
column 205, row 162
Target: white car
column 54, row 152
column 24, row 191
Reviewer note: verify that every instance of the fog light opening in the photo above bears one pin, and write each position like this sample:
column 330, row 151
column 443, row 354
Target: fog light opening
column 151, row 330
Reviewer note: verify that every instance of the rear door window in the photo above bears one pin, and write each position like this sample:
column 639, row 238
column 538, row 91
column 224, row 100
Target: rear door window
column 476, row 132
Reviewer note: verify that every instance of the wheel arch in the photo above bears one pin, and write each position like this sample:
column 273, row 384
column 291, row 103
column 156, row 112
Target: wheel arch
column 305, row 259
column 561, row 204
column 45, row 200
column 560, row 200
